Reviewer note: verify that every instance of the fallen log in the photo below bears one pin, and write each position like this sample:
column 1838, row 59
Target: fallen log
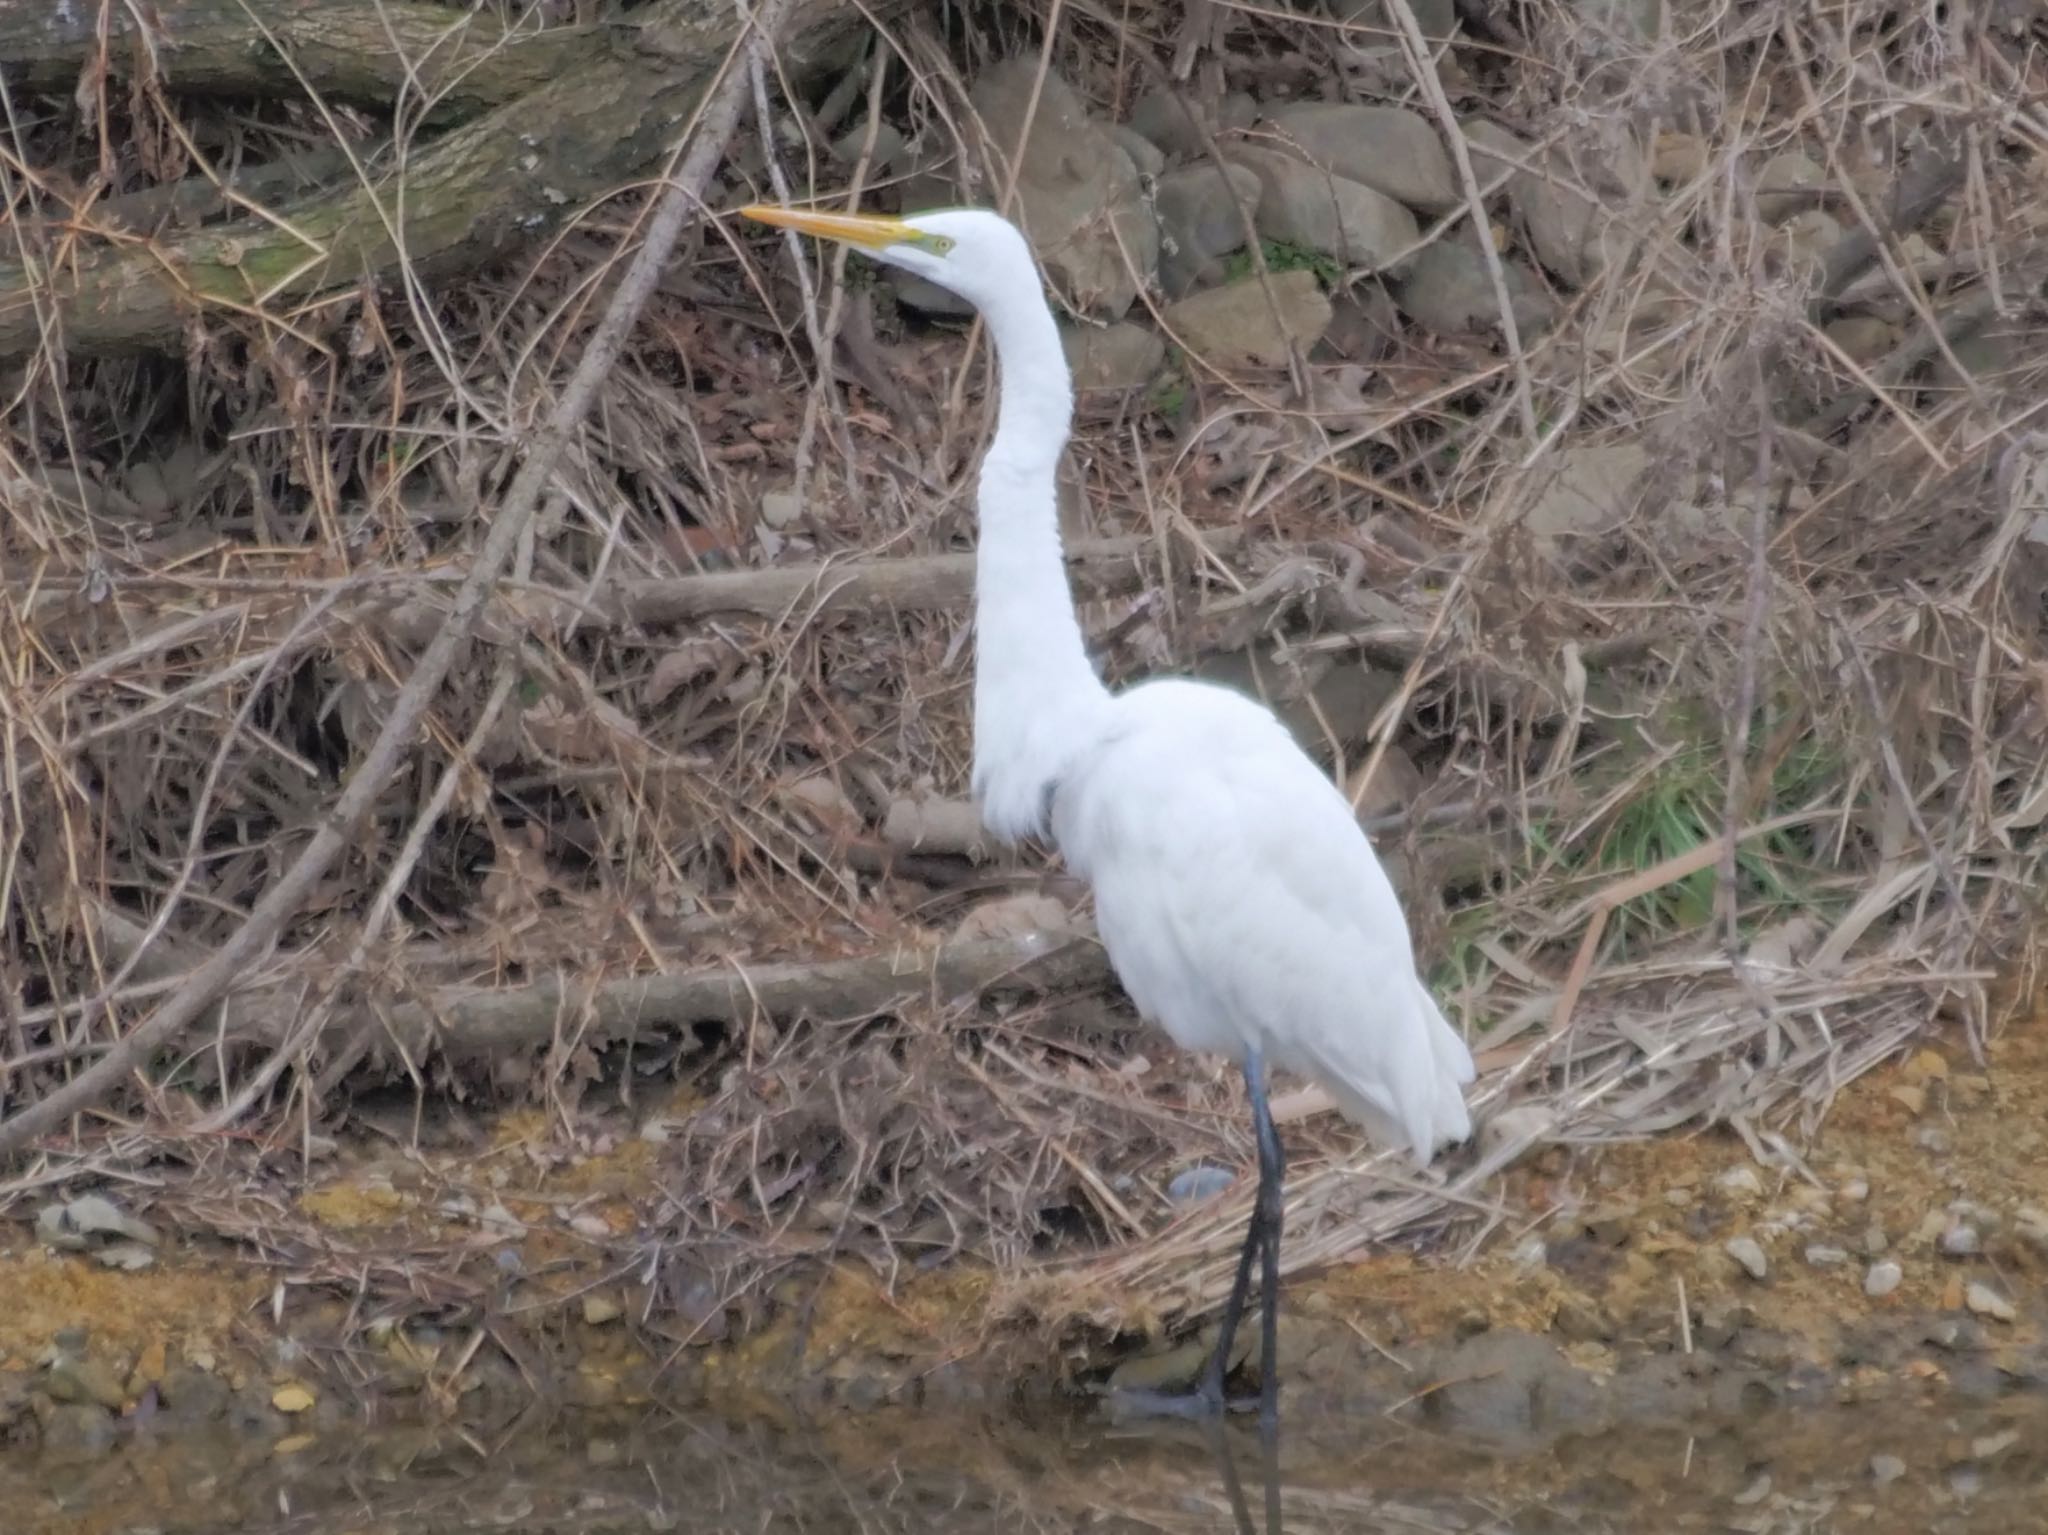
column 505, row 181
column 472, row 1024
column 365, row 52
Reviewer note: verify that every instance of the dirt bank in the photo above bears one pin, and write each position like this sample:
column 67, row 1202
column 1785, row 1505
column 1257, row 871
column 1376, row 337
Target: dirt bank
column 1901, row 1252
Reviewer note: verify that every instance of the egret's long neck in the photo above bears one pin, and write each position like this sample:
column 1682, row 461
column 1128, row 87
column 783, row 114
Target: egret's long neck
column 1036, row 697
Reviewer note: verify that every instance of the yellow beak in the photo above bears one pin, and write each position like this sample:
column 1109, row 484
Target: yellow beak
column 866, row 230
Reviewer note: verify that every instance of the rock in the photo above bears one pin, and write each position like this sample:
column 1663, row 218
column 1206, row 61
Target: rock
column 1365, row 327
column 1145, row 154
column 1193, row 1185
column 600, row 1309
column 1960, row 1240
column 1740, row 1181
column 1882, row 1279
column 1630, row 21
column 1017, row 916
column 1786, row 184
column 1985, row 1301
column 1592, row 491
column 1438, row 19
column 1235, row 325
column 1169, row 120
column 1119, row 356
column 193, row 1395
column 77, row 1426
column 1178, row 1365
column 1678, row 157
column 1079, row 196
column 1583, row 1320
column 1448, row 289
column 1745, row 1251
column 1574, row 236
column 84, row 1380
column 1864, row 337
column 1332, row 215
column 1202, row 217
column 781, row 508
column 1855, row 1190
column 1390, row 149
column 1886, row 1468
column 291, row 1398
column 1824, row 1257
column 1802, row 242
column 928, row 297
column 79, row 1223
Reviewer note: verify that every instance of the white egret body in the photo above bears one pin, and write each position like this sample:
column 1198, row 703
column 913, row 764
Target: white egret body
column 1240, row 902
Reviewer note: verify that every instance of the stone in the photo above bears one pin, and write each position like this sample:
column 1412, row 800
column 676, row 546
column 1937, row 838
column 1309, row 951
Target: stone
column 1080, row 199
column 1592, row 492
column 1448, row 289
column 1390, row 149
column 1960, row 1240
column 1330, row 214
column 1235, row 325
column 1193, row 1185
column 1365, row 327
column 1629, row 21
column 1786, row 184
column 1825, row 1257
column 1574, row 236
column 928, row 297
column 1747, row 1252
column 1119, row 356
column 1741, row 1181
column 1678, row 157
column 1202, row 212
column 1882, row 1278
column 1145, row 155
column 1169, row 119
column 1985, row 1301
column 1438, row 19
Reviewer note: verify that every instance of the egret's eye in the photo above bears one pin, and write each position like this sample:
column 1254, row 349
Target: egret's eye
column 937, row 245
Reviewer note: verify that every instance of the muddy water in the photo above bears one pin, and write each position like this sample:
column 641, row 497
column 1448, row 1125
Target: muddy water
column 1866, row 1467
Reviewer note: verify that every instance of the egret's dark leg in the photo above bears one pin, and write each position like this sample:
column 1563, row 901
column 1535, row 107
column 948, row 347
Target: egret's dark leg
column 1267, row 1215
column 1262, row 1237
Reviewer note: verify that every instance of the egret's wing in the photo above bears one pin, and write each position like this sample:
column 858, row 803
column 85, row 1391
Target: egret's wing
column 1238, row 897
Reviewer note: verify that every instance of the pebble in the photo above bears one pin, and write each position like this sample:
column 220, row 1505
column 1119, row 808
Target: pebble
column 1825, row 1257
column 1195, row 1184
column 1740, row 1180
column 1961, row 1240
column 1856, row 1190
column 292, row 1398
column 600, row 1309
column 1882, row 1279
column 1745, row 1251
column 1985, row 1301
column 1886, row 1468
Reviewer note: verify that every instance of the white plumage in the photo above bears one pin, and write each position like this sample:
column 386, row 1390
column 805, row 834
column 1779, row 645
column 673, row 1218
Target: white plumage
column 1241, row 904
column 1239, row 901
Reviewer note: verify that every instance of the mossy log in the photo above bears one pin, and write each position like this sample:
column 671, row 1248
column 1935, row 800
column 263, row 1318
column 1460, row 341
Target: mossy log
column 504, row 181
column 464, row 62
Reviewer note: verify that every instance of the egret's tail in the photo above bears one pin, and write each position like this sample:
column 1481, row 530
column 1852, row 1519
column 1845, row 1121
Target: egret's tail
column 1409, row 1088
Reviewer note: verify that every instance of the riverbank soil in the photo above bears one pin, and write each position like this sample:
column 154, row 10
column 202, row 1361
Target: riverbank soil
column 466, row 954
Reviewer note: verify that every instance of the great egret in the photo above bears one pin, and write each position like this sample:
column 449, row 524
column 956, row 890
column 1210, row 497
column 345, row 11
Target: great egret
column 1238, row 899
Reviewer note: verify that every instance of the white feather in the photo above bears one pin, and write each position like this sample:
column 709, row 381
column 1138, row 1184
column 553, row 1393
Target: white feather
column 1242, row 905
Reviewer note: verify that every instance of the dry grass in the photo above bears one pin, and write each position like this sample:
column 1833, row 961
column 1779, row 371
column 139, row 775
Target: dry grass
column 1652, row 907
